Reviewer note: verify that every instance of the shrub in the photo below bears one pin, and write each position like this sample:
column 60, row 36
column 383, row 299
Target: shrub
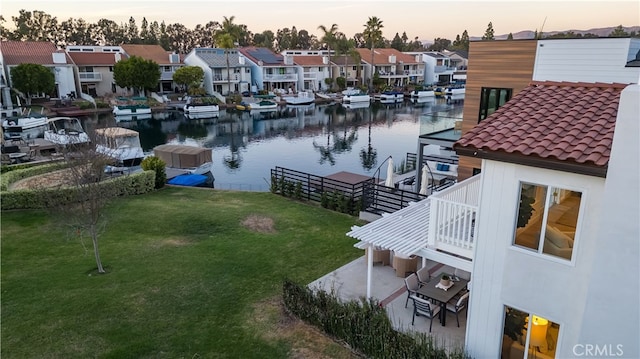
column 363, row 326
column 153, row 163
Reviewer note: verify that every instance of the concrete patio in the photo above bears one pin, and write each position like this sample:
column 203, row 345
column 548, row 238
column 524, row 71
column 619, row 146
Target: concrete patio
column 349, row 282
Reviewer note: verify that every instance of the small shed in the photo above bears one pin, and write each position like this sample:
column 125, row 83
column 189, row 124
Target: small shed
column 181, row 156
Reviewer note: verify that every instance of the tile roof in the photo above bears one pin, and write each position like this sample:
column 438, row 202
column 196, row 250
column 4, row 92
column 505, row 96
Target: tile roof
column 94, row 58
column 381, row 56
column 309, row 60
column 31, row 52
column 339, row 60
column 149, row 52
column 554, row 121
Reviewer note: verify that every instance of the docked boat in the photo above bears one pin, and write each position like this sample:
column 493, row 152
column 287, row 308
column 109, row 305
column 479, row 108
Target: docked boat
column 421, row 93
column 122, row 144
column 391, row 96
column 27, row 125
column 455, row 90
column 131, row 106
column 355, row 95
column 257, row 106
column 302, row 98
column 65, row 131
column 186, row 159
column 199, row 104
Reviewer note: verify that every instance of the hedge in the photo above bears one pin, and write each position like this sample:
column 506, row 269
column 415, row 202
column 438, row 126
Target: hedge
column 137, row 183
column 364, row 326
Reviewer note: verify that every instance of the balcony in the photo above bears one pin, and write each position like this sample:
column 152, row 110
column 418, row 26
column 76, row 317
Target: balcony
column 311, row 75
column 281, row 77
column 225, row 78
column 166, row 76
column 452, row 217
column 90, row 76
column 441, row 69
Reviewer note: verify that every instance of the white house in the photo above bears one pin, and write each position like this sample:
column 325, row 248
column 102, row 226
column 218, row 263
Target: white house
column 271, row 71
column 549, row 228
column 213, row 62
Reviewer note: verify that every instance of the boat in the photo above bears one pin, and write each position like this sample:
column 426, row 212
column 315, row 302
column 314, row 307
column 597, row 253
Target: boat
column 122, row 144
column 257, row 106
column 455, row 90
column 137, row 117
column 186, row 159
column 355, row 95
column 425, row 92
column 389, row 96
column 24, row 126
column 190, row 180
column 201, row 115
column 65, row 131
column 439, row 91
column 131, row 106
column 198, row 104
column 302, row 98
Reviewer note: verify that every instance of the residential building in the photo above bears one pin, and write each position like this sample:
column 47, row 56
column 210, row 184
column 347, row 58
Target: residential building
column 547, row 226
column 439, row 68
column 348, row 67
column 43, row 53
column 213, row 62
column 394, row 67
column 460, row 60
column 168, row 62
column 271, row 71
column 95, row 69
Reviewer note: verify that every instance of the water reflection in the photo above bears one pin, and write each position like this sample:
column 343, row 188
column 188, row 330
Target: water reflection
column 319, row 139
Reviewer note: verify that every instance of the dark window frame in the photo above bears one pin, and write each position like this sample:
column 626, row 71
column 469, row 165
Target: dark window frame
column 499, row 100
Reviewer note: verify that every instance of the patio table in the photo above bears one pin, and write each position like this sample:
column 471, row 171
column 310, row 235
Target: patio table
column 442, row 296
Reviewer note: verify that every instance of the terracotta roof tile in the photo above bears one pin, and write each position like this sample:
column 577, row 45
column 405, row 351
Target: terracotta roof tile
column 552, row 120
column 31, row 52
column 94, row 58
column 310, row 60
column 149, row 52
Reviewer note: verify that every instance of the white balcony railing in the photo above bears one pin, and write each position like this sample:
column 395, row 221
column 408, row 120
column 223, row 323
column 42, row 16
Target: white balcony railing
column 281, row 77
column 225, row 78
column 90, row 76
column 311, row 75
column 453, row 214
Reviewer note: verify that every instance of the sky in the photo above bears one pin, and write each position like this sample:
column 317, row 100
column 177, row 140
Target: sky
column 425, row 19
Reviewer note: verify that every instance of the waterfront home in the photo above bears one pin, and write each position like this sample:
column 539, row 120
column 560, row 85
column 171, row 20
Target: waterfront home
column 42, row 53
column 394, row 67
column 168, row 62
column 271, row 71
column 544, row 224
column 313, row 71
column 213, row 62
column 95, row 68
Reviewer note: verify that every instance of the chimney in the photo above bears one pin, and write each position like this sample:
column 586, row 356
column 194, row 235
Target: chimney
column 288, row 60
column 59, row 58
column 392, row 59
column 325, row 60
column 118, row 56
column 174, row 58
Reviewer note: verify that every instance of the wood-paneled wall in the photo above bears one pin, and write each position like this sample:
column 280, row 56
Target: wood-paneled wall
column 500, row 64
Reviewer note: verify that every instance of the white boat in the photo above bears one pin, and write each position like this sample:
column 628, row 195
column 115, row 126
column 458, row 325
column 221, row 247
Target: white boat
column 260, row 105
column 25, row 126
column 65, row 131
column 128, row 118
column 198, row 104
column 122, row 144
column 429, row 92
column 186, row 159
column 352, row 97
column 454, row 90
column 131, row 106
column 302, row 98
column 389, row 96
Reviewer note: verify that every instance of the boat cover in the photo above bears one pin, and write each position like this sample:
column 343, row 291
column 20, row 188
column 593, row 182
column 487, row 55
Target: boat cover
column 188, row 180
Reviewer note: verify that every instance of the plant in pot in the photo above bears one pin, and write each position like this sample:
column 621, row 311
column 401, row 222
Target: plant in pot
column 445, row 280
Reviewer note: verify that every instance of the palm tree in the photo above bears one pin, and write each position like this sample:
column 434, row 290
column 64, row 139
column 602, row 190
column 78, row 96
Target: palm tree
column 329, row 38
column 372, row 34
column 226, row 38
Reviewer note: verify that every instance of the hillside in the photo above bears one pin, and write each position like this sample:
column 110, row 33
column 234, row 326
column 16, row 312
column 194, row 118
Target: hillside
column 528, row 34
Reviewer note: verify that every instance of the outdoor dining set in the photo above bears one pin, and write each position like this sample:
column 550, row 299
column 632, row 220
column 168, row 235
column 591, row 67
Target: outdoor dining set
column 434, row 297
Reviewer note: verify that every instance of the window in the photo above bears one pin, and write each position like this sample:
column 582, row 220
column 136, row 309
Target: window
column 491, row 99
column 540, row 338
column 547, row 220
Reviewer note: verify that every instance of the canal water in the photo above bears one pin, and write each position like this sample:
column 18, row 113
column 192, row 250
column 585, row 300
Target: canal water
column 317, row 139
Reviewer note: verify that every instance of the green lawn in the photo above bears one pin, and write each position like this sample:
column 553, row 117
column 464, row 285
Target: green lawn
column 186, row 278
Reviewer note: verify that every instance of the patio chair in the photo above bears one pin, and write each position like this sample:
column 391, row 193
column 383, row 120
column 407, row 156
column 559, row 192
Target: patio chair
column 463, row 274
column 458, row 306
column 423, row 275
column 412, row 285
column 422, row 307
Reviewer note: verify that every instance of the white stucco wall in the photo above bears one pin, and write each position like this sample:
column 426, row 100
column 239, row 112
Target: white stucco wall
column 192, row 59
column 586, row 60
column 611, row 315
column 506, row 275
